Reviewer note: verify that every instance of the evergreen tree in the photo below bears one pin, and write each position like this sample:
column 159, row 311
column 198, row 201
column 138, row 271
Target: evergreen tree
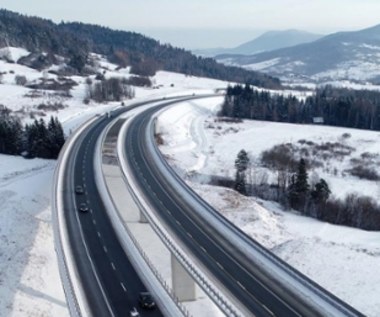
column 298, row 189
column 242, row 161
column 301, row 184
column 241, row 165
column 321, row 192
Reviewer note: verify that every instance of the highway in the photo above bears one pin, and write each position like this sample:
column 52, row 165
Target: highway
column 248, row 283
column 110, row 281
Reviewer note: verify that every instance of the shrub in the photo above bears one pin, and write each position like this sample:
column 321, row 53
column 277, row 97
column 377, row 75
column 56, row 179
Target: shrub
column 280, row 157
column 364, row 172
column 139, row 81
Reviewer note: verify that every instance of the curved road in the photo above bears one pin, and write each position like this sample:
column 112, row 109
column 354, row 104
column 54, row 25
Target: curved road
column 254, row 289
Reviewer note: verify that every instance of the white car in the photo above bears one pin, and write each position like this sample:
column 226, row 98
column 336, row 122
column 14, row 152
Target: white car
column 134, row 313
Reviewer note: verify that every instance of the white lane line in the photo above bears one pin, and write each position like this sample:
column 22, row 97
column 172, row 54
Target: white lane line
column 189, row 235
column 105, row 249
column 122, row 285
column 91, row 210
column 94, row 221
column 220, row 265
column 99, row 235
column 113, row 266
column 203, row 249
column 178, row 223
column 241, row 285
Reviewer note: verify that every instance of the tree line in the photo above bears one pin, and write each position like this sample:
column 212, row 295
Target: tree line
column 335, row 106
column 37, row 139
column 313, row 198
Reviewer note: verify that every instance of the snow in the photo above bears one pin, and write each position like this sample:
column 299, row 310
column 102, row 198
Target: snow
column 29, row 279
column 13, row 53
column 263, row 65
column 342, row 260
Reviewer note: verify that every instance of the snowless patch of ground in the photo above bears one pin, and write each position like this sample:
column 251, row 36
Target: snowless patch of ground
column 342, row 260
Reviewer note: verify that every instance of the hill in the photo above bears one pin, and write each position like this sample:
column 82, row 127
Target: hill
column 268, row 41
column 342, row 55
column 145, row 55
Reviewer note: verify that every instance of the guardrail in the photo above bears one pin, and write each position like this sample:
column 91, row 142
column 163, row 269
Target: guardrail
column 74, row 293
column 204, row 282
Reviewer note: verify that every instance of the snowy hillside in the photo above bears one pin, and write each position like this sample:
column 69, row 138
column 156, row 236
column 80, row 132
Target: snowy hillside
column 339, row 56
column 343, row 260
column 29, row 279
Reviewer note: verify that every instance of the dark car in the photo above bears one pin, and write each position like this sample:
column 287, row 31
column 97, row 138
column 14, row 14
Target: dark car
column 79, row 190
column 146, row 300
column 83, row 207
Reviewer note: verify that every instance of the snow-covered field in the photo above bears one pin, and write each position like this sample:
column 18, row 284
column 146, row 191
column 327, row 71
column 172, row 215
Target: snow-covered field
column 343, row 260
column 29, row 279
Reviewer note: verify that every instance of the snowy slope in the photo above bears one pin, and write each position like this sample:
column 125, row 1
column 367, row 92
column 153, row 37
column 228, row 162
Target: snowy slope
column 29, row 279
column 343, row 260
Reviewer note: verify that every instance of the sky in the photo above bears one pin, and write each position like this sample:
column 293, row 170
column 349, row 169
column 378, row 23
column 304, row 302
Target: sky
column 208, row 23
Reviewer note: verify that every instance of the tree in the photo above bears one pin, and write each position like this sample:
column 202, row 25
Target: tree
column 298, row 189
column 55, row 137
column 242, row 161
column 321, row 192
column 241, row 165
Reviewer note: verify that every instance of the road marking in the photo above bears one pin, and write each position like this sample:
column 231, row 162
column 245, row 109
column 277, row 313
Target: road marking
column 220, row 265
column 113, row 266
column 122, row 285
column 178, row 223
column 241, row 285
column 189, row 235
column 105, row 249
column 90, row 210
column 94, row 221
column 203, row 249
column 268, row 310
column 99, row 235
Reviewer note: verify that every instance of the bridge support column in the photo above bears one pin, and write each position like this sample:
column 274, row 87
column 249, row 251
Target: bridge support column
column 143, row 218
column 183, row 283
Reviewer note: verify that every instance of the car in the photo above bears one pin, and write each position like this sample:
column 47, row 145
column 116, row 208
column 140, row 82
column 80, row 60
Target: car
column 79, row 190
column 146, row 300
column 83, row 207
column 134, row 313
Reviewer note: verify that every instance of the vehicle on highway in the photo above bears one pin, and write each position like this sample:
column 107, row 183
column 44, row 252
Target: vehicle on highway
column 134, row 313
column 79, row 190
column 83, row 207
column 146, row 300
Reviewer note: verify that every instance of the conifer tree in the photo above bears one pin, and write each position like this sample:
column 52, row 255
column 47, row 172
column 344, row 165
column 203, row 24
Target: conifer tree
column 241, row 165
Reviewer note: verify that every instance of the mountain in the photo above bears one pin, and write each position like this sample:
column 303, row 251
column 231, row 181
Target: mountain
column 343, row 55
column 75, row 41
column 268, row 41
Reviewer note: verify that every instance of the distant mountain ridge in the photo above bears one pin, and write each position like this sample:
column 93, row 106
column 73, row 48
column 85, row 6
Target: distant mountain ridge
column 268, row 41
column 75, row 41
column 343, row 55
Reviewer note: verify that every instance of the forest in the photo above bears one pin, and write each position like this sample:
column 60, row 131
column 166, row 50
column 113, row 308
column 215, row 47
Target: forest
column 38, row 139
column 330, row 106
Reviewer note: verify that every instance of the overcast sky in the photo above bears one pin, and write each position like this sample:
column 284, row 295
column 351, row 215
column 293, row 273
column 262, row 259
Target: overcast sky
column 208, row 23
